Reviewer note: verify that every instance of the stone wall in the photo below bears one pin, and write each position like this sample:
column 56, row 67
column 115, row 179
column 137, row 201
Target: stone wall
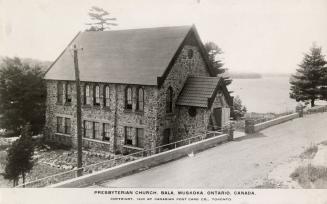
column 188, row 126
column 182, row 68
column 251, row 127
column 102, row 114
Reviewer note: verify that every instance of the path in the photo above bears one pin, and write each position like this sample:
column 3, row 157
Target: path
column 243, row 163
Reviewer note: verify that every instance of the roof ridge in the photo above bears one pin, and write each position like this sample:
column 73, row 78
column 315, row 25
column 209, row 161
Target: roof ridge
column 144, row 28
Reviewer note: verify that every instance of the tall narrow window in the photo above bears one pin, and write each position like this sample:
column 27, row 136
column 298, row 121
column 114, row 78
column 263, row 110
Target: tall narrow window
column 67, row 126
column 106, row 97
column 68, row 92
column 96, row 131
column 128, row 98
column 88, row 129
column 106, row 131
column 128, row 136
column 87, row 95
column 96, row 95
column 59, row 125
column 139, row 137
column 169, row 100
column 140, row 100
column 60, row 90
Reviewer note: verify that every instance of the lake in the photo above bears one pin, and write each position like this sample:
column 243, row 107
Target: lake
column 262, row 95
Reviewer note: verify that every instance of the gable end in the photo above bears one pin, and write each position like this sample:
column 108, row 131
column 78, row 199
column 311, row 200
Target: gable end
column 191, row 38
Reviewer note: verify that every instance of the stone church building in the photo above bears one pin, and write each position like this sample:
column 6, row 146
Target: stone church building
column 141, row 88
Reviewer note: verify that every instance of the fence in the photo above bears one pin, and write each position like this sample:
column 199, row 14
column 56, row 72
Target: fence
column 56, row 178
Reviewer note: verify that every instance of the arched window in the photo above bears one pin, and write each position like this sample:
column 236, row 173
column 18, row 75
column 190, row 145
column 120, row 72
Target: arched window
column 68, row 92
column 96, row 95
column 140, row 100
column 60, row 92
column 169, row 100
column 106, row 96
column 128, row 98
column 87, row 95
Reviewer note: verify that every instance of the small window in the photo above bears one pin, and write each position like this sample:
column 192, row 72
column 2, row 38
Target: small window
column 60, row 92
column 67, row 126
column 169, row 100
column 190, row 53
column 96, row 131
column 128, row 136
column 68, row 92
column 128, row 98
column 106, row 97
column 88, row 129
column 59, row 125
column 140, row 100
column 192, row 111
column 87, row 95
column 106, row 131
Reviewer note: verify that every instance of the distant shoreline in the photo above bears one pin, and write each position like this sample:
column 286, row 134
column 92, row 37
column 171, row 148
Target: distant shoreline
column 256, row 75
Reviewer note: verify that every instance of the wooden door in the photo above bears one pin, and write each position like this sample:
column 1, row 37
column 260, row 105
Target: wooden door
column 217, row 113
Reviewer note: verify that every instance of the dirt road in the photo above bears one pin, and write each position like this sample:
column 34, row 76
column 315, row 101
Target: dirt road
column 244, row 163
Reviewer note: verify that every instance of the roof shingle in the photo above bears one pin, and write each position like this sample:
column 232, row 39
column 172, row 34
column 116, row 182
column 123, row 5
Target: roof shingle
column 197, row 91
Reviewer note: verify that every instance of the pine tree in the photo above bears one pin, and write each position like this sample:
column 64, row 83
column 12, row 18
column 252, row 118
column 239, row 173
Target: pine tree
column 22, row 96
column 213, row 51
column 308, row 82
column 100, row 18
column 20, row 157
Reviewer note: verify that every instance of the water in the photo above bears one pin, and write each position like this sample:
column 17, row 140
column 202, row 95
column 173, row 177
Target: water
column 267, row 94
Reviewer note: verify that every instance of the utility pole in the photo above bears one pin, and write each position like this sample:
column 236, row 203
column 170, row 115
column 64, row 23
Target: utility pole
column 78, row 114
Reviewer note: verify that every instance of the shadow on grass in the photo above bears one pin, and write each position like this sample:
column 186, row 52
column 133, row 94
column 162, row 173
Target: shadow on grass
column 250, row 136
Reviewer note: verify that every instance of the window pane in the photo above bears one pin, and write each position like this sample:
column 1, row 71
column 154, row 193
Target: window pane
column 96, row 95
column 87, row 95
column 60, row 92
column 106, row 131
column 140, row 102
column 68, row 92
column 129, row 98
column 128, row 136
column 169, row 100
column 107, row 96
column 139, row 137
column 88, row 129
column 59, row 125
column 67, row 125
column 97, row 134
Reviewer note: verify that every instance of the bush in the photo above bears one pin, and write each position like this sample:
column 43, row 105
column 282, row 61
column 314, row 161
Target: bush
column 238, row 109
column 307, row 175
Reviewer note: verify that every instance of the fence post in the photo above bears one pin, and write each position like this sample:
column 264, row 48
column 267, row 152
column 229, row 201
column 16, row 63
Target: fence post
column 249, row 126
column 299, row 110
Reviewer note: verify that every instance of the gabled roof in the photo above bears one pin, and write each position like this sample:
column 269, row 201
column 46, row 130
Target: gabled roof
column 201, row 91
column 136, row 56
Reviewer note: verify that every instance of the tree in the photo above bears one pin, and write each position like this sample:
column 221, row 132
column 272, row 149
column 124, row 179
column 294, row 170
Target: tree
column 310, row 79
column 100, row 19
column 20, row 157
column 239, row 109
column 22, row 96
column 213, row 51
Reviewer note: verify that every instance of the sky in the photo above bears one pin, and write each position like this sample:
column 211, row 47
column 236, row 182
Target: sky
column 256, row 35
